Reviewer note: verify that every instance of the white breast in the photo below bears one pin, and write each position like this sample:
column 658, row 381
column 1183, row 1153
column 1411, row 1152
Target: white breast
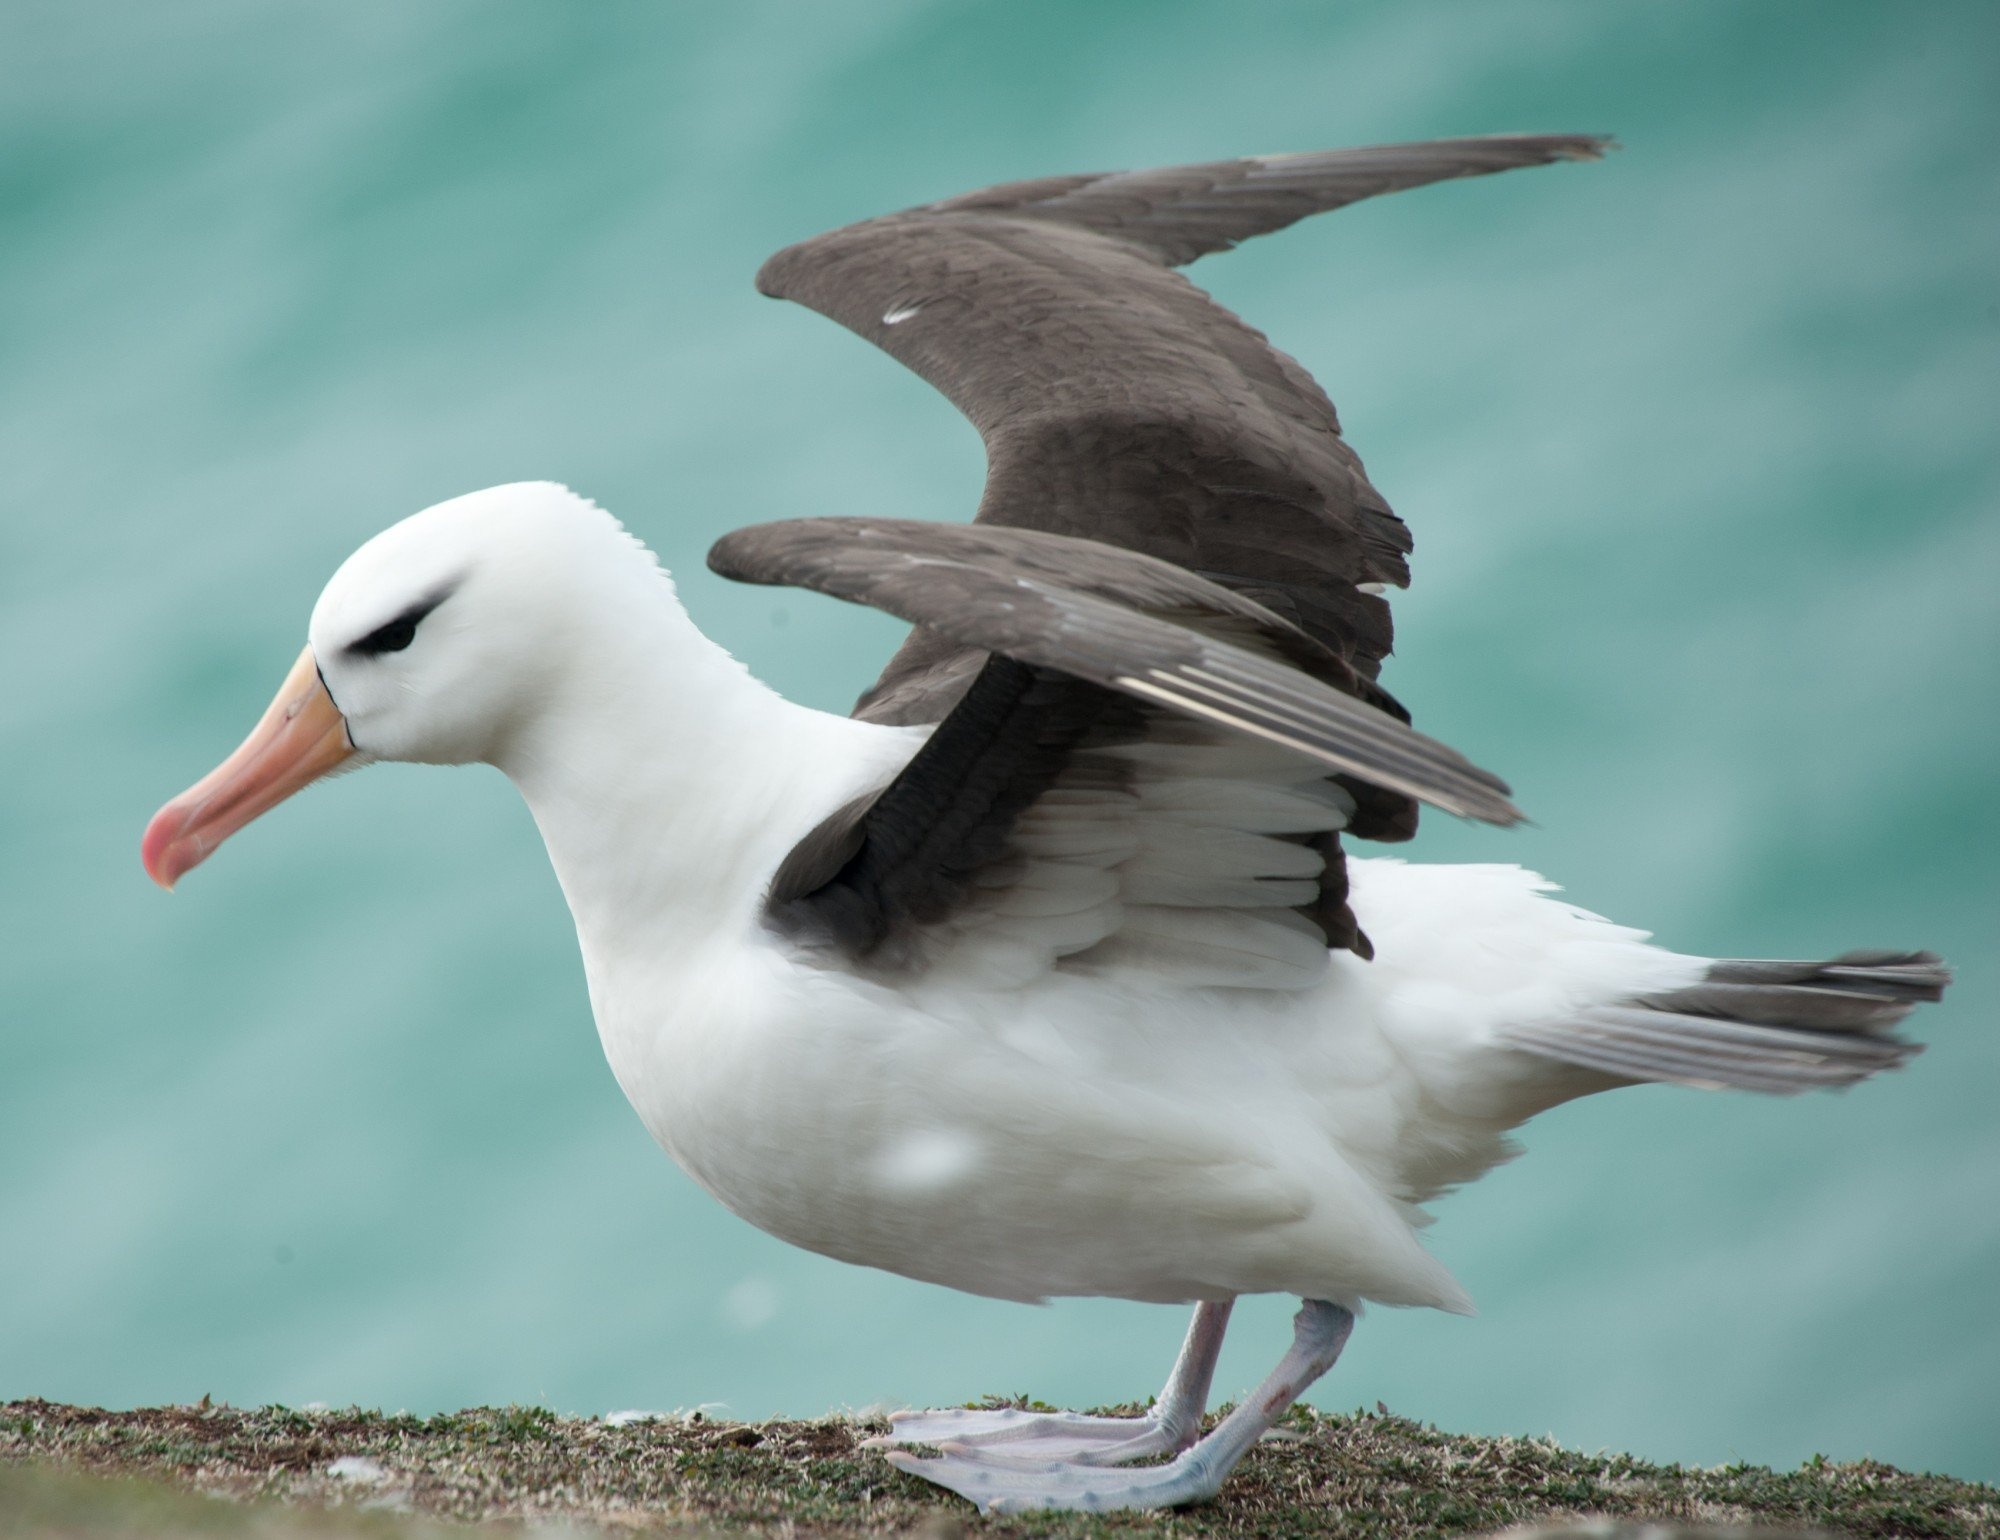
column 1096, row 1136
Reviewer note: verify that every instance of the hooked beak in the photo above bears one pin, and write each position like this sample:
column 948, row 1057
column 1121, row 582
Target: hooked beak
column 301, row 737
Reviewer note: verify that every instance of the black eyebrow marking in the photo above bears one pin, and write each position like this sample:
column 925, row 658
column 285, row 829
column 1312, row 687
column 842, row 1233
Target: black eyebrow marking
column 394, row 635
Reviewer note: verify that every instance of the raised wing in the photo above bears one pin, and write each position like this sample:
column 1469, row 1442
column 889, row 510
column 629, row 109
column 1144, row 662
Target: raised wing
column 1120, row 620
column 1090, row 799
column 1119, row 403
column 1178, row 213
column 1175, row 551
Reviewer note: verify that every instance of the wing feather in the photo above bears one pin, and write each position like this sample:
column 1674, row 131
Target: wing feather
column 1116, row 400
column 1153, row 659
column 991, row 590
column 1183, row 212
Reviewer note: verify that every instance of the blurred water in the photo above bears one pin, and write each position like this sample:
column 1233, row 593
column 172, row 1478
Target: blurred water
column 1698, row 448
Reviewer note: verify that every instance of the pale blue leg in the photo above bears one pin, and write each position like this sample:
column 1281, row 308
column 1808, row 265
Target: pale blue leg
column 1036, row 1439
column 1007, row 1483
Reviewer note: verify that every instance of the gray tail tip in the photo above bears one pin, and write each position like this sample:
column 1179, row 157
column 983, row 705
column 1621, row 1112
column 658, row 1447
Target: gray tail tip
column 1883, row 973
column 1775, row 1025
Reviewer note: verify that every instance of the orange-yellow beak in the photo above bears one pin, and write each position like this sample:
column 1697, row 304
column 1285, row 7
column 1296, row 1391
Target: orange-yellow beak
column 302, row 737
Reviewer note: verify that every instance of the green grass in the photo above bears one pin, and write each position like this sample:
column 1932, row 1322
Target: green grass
column 1362, row 1478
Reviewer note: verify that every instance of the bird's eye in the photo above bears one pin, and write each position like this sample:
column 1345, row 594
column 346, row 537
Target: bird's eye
column 395, row 635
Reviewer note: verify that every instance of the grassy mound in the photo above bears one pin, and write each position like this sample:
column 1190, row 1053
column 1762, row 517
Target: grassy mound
column 350, row 1473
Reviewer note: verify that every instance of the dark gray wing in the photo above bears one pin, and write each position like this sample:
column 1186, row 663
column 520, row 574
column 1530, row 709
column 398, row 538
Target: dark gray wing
column 1109, row 678
column 1119, row 405
column 1178, row 213
column 1120, row 620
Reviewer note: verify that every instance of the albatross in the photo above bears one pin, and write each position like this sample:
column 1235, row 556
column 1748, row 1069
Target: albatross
column 1048, row 972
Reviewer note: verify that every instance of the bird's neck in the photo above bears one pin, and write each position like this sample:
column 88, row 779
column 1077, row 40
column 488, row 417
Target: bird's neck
column 668, row 783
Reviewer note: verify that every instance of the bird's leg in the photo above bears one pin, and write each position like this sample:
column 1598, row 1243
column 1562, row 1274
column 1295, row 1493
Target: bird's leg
column 1004, row 1482
column 1184, row 1398
column 1037, row 1438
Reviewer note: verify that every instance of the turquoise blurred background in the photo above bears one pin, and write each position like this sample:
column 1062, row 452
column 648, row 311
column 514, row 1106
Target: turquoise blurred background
column 1698, row 446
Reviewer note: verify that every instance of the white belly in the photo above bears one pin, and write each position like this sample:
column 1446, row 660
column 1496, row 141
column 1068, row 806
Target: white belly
column 1084, row 1137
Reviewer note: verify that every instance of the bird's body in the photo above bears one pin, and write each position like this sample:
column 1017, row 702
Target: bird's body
column 1109, row 1137
column 1048, row 972
column 1111, row 1131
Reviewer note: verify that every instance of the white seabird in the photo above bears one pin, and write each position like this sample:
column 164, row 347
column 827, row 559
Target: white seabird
column 1045, row 973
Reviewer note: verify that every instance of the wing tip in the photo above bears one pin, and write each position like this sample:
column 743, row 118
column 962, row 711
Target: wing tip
column 1551, row 147
column 1585, row 146
column 1531, row 149
column 1495, row 808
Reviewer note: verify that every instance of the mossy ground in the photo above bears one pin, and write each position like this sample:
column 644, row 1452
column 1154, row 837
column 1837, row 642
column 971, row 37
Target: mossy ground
column 1362, row 1478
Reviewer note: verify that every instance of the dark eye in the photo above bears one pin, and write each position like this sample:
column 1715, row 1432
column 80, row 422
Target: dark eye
column 396, row 634
column 393, row 637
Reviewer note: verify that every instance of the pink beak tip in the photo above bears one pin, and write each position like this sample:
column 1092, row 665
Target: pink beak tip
column 156, row 848
column 301, row 737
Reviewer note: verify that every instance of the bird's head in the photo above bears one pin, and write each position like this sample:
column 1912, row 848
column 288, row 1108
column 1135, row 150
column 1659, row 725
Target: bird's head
column 434, row 643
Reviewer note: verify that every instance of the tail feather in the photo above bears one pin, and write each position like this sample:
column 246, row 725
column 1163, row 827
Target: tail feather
column 1780, row 1027
column 1909, row 976
column 1786, row 1005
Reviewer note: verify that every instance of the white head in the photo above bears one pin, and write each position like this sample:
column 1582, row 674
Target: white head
column 439, row 641
column 445, row 633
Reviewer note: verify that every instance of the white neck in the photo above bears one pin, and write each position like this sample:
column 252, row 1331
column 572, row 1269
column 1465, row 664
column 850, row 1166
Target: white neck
column 668, row 784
